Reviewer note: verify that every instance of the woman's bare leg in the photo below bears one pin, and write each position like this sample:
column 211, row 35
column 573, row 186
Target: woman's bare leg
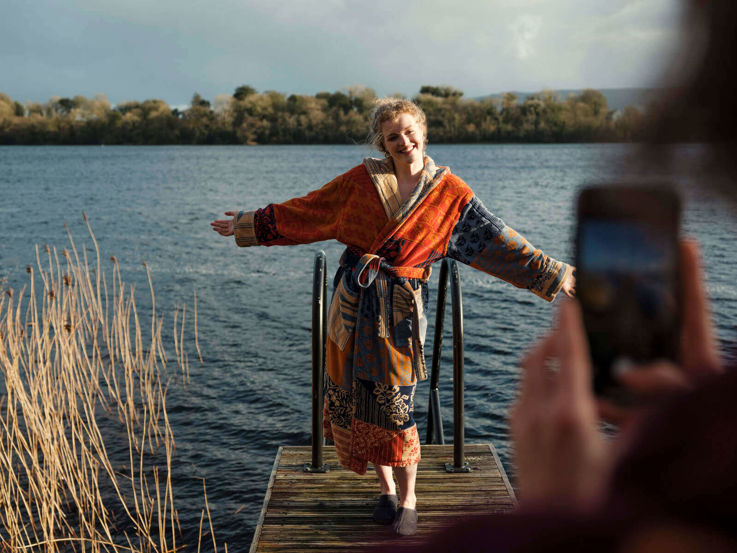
column 386, row 479
column 406, row 477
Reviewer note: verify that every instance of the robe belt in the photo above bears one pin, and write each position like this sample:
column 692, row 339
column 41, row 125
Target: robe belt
column 368, row 271
column 372, row 268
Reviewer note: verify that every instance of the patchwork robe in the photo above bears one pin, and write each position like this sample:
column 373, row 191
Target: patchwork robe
column 376, row 322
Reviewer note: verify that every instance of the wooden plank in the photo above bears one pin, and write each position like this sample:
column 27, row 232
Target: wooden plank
column 332, row 511
column 267, row 497
column 503, row 472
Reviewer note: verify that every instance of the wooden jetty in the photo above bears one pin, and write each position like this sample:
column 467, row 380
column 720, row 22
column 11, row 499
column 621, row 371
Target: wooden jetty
column 331, row 511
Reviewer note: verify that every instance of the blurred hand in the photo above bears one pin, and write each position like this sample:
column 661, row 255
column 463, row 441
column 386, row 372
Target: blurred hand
column 562, row 458
column 224, row 226
column 699, row 353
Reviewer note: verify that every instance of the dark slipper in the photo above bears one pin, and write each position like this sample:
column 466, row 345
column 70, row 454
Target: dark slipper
column 405, row 523
column 386, row 509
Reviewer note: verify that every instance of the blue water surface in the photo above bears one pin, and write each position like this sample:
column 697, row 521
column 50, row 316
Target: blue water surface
column 252, row 393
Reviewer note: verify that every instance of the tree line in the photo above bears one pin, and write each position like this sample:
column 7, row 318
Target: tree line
column 250, row 117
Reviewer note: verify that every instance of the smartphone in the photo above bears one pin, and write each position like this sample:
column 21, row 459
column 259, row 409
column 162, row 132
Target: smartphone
column 627, row 278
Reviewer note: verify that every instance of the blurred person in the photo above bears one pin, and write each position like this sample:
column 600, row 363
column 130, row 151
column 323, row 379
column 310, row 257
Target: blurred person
column 396, row 216
column 668, row 480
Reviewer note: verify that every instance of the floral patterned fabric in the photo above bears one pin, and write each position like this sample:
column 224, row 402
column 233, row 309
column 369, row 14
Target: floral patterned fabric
column 372, row 422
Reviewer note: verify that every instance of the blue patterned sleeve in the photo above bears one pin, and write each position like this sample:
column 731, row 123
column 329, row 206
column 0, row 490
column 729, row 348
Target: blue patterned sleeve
column 482, row 240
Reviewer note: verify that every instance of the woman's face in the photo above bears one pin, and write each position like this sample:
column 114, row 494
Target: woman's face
column 404, row 139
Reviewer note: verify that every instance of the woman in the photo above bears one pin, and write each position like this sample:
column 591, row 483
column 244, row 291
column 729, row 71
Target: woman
column 397, row 216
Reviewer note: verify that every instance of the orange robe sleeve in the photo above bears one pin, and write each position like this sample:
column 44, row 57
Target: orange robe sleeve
column 311, row 218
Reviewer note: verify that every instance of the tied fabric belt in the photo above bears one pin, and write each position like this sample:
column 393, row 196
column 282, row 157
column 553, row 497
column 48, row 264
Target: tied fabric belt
column 373, row 269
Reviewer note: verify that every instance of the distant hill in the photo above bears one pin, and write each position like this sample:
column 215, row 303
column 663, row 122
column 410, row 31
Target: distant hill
column 617, row 98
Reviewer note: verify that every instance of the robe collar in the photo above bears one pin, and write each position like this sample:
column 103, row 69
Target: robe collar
column 384, row 178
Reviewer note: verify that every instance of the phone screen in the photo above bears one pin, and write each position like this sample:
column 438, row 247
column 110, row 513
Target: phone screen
column 627, row 283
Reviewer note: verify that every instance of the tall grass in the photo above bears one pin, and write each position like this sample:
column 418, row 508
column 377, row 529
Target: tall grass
column 83, row 374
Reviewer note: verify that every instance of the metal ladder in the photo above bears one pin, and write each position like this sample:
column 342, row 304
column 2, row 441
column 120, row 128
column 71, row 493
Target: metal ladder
column 434, row 416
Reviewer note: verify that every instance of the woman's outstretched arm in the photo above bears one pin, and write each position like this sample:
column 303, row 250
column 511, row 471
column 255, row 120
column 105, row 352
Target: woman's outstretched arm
column 311, row 218
column 483, row 241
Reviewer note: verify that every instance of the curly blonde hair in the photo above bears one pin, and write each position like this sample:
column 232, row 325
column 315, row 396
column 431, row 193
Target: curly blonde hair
column 387, row 109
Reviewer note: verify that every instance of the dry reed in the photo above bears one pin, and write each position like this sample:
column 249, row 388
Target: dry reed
column 75, row 358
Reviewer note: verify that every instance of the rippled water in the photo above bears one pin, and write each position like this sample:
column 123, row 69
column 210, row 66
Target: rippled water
column 252, row 393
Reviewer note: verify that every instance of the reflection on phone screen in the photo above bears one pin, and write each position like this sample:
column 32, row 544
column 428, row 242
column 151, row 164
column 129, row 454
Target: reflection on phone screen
column 628, row 291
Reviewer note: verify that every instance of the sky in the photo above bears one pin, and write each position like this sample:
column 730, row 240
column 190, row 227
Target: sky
column 170, row 49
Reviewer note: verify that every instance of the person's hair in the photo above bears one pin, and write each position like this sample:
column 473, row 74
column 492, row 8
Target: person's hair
column 701, row 106
column 387, row 109
column 699, row 102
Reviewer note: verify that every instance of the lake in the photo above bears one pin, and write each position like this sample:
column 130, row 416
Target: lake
column 252, row 393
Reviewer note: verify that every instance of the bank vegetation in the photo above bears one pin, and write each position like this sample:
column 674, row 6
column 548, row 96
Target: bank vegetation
column 250, row 117
column 86, row 448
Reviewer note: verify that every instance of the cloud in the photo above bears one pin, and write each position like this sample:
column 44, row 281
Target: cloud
column 525, row 29
column 136, row 49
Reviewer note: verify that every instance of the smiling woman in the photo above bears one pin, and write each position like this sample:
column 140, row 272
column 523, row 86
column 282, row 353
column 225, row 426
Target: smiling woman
column 396, row 217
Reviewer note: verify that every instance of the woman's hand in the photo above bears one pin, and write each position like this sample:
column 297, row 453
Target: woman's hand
column 224, row 226
column 569, row 284
column 563, row 460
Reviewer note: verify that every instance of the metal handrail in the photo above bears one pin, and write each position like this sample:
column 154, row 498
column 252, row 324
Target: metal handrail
column 459, row 462
column 319, row 327
column 434, row 418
